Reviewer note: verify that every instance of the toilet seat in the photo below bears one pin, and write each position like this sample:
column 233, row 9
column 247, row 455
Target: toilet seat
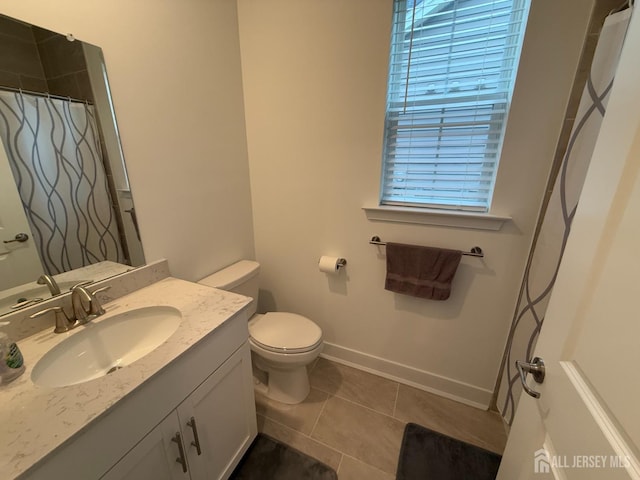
column 286, row 333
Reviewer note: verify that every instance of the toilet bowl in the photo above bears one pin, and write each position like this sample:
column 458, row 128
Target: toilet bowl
column 282, row 344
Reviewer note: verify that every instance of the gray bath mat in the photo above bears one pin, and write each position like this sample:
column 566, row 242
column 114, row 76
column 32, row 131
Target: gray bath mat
column 269, row 459
column 429, row 455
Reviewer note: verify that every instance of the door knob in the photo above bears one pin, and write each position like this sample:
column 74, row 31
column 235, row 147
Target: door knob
column 20, row 237
column 537, row 371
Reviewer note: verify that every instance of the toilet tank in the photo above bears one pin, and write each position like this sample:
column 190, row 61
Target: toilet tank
column 241, row 277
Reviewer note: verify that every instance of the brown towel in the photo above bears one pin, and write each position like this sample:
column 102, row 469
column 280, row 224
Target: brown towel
column 423, row 272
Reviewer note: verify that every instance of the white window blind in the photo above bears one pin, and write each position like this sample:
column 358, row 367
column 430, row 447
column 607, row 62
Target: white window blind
column 451, row 75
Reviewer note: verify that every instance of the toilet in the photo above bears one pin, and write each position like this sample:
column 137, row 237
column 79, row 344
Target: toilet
column 282, row 344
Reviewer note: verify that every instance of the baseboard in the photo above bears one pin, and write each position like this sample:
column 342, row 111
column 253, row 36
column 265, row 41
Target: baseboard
column 420, row 379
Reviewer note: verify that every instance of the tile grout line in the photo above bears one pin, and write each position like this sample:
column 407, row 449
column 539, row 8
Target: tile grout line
column 315, row 363
column 365, row 407
column 319, row 442
column 319, row 415
column 365, row 463
column 395, row 402
column 343, row 397
column 340, row 463
column 330, row 447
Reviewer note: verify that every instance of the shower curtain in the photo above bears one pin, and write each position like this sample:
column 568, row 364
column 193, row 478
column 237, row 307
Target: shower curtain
column 55, row 157
column 547, row 252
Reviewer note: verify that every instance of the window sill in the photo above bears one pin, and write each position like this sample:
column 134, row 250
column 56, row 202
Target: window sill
column 445, row 218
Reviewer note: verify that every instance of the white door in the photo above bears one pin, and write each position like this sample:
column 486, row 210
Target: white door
column 19, row 261
column 586, row 423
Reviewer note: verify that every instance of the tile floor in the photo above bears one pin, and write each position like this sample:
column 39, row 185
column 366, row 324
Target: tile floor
column 353, row 421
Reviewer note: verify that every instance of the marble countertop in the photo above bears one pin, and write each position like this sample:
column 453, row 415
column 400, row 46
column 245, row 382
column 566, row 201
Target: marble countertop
column 34, row 420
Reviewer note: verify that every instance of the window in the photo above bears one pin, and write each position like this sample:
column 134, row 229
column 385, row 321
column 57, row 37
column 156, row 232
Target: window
column 451, row 74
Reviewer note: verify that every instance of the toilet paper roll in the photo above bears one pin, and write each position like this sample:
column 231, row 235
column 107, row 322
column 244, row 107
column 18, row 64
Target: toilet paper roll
column 331, row 265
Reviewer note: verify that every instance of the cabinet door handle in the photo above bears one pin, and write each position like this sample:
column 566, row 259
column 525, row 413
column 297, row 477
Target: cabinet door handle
column 196, row 441
column 181, row 459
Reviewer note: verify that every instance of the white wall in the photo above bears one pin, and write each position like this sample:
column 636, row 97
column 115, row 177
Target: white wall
column 314, row 83
column 174, row 70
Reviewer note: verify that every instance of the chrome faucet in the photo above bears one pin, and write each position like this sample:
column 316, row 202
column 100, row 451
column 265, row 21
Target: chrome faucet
column 81, row 295
column 50, row 283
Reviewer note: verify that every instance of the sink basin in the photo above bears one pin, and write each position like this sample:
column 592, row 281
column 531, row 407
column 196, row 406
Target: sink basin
column 105, row 345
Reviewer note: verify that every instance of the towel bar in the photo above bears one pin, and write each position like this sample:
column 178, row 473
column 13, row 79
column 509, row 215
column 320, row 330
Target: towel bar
column 475, row 251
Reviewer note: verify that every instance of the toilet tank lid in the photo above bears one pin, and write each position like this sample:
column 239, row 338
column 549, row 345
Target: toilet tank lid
column 232, row 276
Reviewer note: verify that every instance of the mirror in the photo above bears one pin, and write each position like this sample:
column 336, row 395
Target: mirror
column 66, row 208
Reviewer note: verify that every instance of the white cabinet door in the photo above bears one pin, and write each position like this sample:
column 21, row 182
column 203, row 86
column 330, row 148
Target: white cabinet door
column 214, row 425
column 154, row 457
column 221, row 414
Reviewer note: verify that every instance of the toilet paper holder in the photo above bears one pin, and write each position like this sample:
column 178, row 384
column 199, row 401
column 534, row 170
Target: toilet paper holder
column 332, row 264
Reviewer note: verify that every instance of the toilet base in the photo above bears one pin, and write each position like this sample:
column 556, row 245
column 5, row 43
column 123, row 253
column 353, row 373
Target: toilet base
column 290, row 386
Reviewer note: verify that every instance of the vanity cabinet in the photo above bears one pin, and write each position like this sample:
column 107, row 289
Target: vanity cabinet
column 211, row 381
column 205, row 437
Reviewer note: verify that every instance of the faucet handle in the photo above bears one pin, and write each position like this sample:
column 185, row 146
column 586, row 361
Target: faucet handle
column 63, row 322
column 96, row 306
column 26, row 303
column 101, row 289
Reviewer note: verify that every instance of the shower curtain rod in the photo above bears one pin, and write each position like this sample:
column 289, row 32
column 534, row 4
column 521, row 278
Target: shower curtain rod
column 44, row 94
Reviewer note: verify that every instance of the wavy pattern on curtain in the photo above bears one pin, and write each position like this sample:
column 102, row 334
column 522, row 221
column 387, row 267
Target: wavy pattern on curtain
column 55, row 157
column 540, row 276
